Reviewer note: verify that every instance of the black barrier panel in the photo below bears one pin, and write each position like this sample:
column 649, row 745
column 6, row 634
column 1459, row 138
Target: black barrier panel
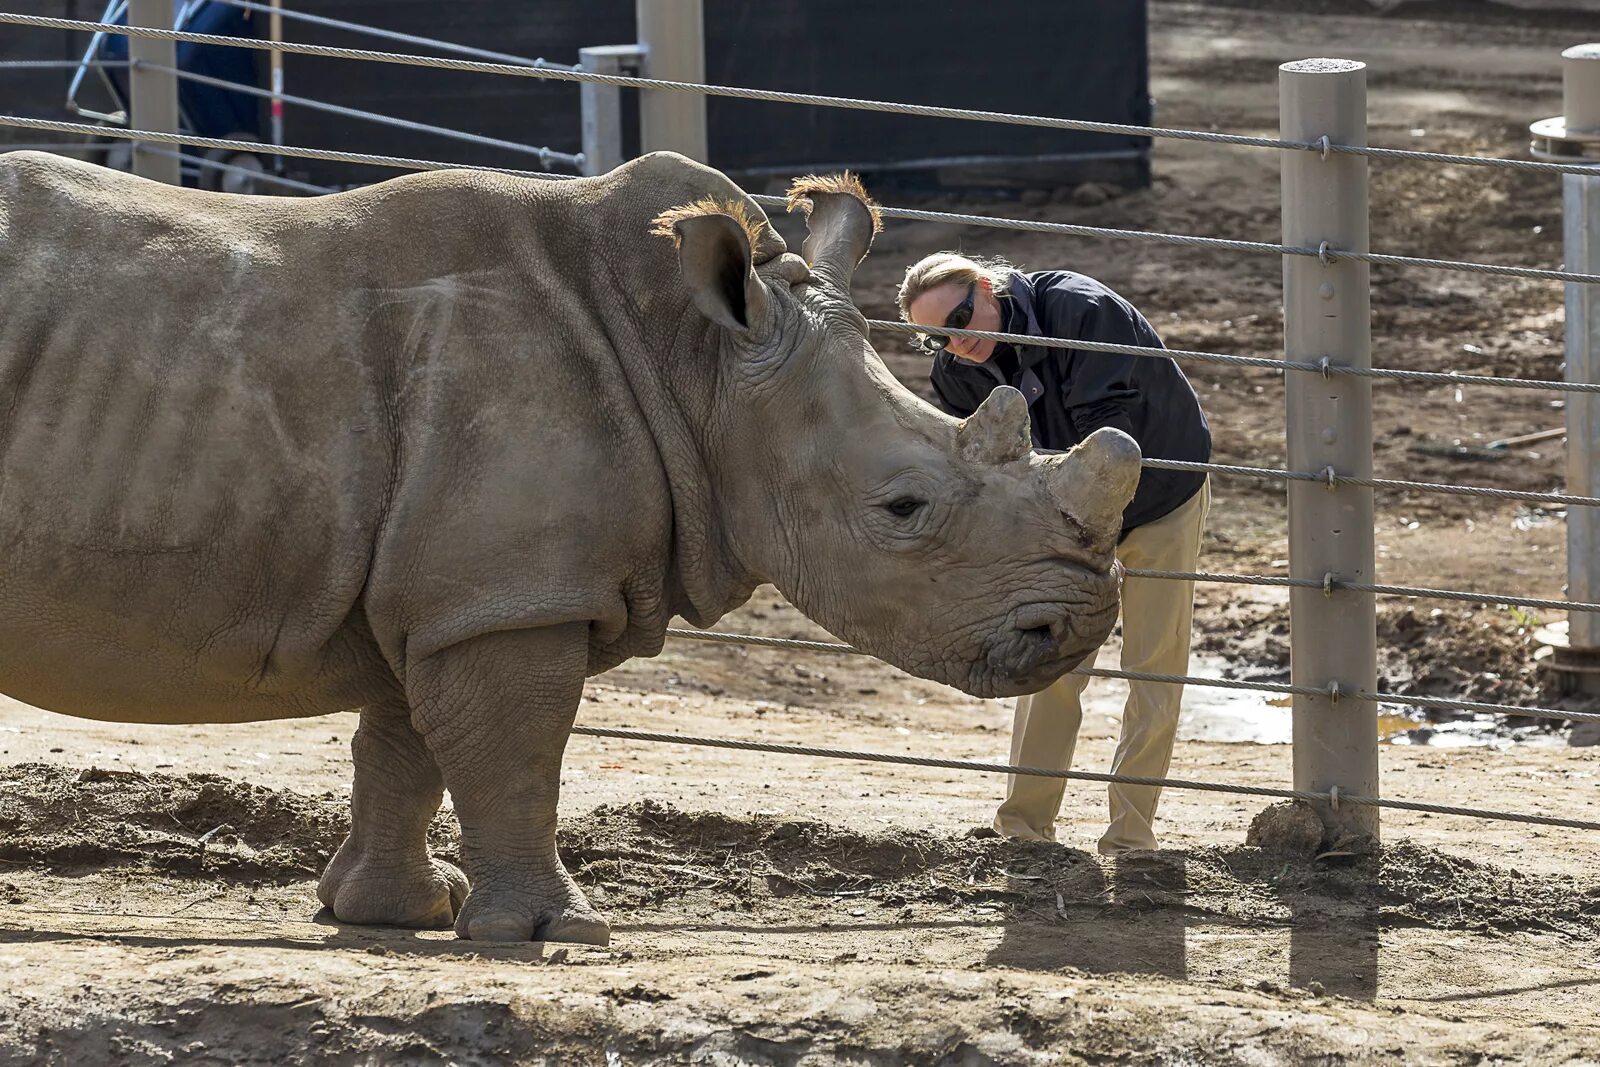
column 1067, row 58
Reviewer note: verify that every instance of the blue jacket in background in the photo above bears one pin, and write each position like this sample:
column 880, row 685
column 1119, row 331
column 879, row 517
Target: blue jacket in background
column 1072, row 392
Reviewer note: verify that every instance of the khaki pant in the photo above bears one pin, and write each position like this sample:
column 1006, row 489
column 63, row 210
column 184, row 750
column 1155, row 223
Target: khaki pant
column 1156, row 616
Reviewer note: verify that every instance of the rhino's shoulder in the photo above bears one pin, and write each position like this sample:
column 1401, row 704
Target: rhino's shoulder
column 24, row 172
column 674, row 178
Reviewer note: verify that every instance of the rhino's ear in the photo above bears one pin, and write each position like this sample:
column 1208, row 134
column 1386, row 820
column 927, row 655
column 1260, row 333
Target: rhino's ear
column 714, row 255
column 841, row 220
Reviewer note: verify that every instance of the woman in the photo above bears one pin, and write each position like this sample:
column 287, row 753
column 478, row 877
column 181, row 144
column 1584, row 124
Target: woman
column 1071, row 393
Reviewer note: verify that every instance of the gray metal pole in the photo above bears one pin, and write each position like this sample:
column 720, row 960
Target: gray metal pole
column 1580, row 101
column 1327, row 313
column 154, row 94
column 672, row 33
column 601, row 105
column 1581, row 223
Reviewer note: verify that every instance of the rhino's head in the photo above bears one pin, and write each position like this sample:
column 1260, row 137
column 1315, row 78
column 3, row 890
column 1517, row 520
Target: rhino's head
column 948, row 548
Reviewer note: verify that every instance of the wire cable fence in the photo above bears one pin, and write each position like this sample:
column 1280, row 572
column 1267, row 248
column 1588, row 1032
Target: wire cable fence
column 298, row 152
column 1278, row 688
column 522, row 68
column 1332, row 479
column 1335, row 796
column 1330, row 583
column 367, row 30
column 1325, row 367
column 1143, row 236
column 1325, row 252
column 59, row 64
column 546, row 156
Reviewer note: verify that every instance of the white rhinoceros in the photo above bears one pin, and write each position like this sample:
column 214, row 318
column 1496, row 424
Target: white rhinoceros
column 441, row 448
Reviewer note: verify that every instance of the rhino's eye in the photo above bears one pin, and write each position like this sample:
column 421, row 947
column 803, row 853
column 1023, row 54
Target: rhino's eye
column 904, row 507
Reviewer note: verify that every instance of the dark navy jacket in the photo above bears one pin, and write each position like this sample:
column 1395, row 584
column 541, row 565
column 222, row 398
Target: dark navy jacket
column 1071, row 392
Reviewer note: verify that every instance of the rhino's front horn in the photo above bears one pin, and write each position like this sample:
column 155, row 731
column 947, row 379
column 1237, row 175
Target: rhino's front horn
column 1093, row 483
column 841, row 220
column 998, row 431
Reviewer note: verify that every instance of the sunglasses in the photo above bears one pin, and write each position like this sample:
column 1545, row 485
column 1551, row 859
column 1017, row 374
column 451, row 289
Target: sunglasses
column 958, row 318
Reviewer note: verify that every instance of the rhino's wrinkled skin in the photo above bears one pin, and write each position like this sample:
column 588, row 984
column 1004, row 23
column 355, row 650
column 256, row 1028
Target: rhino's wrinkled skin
column 440, row 448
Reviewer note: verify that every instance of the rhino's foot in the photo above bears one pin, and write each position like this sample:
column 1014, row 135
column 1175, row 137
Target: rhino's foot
column 378, row 894
column 566, row 916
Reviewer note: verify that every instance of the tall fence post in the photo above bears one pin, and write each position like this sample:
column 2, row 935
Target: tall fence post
column 1327, row 314
column 601, row 105
column 1574, row 137
column 672, row 32
column 154, row 95
column 275, row 63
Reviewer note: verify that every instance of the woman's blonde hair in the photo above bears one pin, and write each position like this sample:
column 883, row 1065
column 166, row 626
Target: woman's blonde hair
column 941, row 268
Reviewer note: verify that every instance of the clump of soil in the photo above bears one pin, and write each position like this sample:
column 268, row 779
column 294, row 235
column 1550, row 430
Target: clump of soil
column 1293, row 828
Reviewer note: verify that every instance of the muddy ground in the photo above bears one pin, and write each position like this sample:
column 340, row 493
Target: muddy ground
column 156, row 884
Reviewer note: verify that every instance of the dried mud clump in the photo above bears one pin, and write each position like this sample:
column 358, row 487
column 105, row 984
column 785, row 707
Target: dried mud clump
column 1292, row 827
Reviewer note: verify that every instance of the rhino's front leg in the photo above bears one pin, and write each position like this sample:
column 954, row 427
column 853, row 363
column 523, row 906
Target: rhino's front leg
column 496, row 711
column 382, row 874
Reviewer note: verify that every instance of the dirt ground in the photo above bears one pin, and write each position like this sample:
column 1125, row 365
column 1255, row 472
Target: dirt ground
column 157, row 884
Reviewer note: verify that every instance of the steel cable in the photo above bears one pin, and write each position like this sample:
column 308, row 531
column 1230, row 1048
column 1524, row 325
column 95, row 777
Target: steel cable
column 227, row 168
column 1331, row 479
column 332, row 155
column 392, row 35
column 1323, row 692
column 1326, row 253
column 546, row 155
column 1324, row 367
column 1330, row 583
column 1082, row 776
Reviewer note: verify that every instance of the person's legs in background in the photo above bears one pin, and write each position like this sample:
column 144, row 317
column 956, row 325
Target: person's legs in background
column 1157, row 615
column 1044, row 735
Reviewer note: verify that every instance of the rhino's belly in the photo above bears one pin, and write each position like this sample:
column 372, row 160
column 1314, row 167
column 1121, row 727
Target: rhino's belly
column 186, row 512
column 59, row 662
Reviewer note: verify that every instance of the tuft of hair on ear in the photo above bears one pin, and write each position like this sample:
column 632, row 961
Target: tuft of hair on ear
column 799, row 194
column 666, row 223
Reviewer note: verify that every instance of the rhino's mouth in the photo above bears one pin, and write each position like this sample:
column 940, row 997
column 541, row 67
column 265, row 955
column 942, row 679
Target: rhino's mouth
column 1040, row 642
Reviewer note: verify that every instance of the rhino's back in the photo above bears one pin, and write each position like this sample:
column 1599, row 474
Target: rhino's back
column 193, row 454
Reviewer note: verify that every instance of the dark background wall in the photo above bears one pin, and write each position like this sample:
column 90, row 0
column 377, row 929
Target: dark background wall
column 1074, row 58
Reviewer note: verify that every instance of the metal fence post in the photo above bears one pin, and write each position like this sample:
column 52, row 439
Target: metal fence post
column 1581, row 222
column 672, row 33
column 154, row 95
column 275, row 62
column 1574, row 137
column 602, row 104
column 1327, row 313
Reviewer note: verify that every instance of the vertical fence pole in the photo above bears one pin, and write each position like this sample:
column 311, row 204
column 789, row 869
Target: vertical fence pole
column 154, row 95
column 601, row 105
column 673, row 34
column 1581, row 221
column 1327, row 313
column 1580, row 99
column 275, row 61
